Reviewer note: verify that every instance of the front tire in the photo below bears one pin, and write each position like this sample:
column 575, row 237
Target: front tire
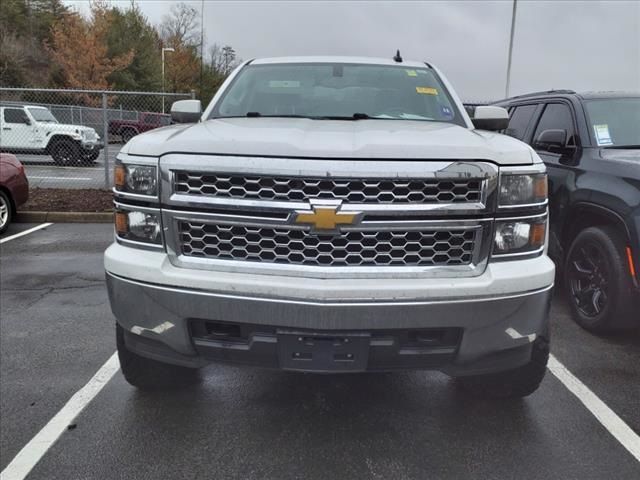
column 516, row 383
column 147, row 374
column 89, row 157
column 597, row 280
column 6, row 211
column 65, row 152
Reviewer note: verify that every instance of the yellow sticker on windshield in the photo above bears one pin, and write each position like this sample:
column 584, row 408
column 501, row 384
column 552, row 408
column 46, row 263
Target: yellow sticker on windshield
column 412, row 73
column 427, row 90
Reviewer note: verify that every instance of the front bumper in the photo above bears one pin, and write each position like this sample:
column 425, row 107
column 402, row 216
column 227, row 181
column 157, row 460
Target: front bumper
column 92, row 145
column 479, row 332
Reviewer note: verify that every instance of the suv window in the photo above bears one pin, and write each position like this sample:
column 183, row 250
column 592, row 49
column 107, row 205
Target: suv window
column 519, row 121
column 556, row 116
column 14, row 115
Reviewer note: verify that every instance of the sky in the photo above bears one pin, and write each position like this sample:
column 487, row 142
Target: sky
column 580, row 45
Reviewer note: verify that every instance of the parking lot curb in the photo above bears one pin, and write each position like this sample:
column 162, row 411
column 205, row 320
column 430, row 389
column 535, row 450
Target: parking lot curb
column 65, row 217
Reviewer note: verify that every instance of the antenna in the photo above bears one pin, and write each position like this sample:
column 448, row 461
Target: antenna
column 397, row 58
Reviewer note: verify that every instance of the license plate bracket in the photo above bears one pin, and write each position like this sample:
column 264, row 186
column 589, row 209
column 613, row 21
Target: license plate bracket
column 323, row 352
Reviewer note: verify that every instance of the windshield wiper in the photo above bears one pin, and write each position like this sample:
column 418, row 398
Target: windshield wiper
column 624, row 147
column 258, row 114
column 355, row 116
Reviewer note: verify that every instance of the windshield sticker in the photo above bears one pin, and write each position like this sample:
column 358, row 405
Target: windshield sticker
column 603, row 137
column 447, row 113
column 284, row 84
column 412, row 73
column 427, row 90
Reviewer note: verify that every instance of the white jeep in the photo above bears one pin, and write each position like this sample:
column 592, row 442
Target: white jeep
column 34, row 130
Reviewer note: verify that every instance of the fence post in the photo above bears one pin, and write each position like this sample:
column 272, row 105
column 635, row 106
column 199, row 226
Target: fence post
column 105, row 139
column 193, row 94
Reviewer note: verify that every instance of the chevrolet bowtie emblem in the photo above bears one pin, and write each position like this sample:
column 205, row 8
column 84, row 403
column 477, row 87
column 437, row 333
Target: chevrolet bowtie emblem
column 326, row 218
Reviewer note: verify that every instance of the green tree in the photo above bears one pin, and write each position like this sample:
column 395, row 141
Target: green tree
column 131, row 30
column 25, row 25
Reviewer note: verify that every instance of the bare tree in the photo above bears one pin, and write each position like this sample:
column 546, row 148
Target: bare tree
column 216, row 60
column 180, row 26
column 229, row 58
column 222, row 59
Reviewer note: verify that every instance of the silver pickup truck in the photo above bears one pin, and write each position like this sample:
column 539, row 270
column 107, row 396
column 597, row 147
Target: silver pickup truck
column 332, row 214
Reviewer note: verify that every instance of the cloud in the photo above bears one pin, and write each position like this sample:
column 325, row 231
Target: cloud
column 585, row 45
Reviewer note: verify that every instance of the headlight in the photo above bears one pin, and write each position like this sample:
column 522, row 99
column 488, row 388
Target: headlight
column 138, row 226
column 139, row 179
column 522, row 189
column 519, row 236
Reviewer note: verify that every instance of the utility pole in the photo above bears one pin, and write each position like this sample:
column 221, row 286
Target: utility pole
column 513, row 28
column 201, row 45
column 168, row 49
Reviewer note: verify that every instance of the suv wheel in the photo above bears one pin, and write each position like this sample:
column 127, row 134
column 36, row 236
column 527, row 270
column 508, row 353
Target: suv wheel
column 90, row 156
column 147, row 374
column 597, row 281
column 516, row 383
column 5, row 211
column 65, row 152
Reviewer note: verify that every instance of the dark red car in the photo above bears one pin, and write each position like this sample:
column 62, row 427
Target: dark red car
column 14, row 188
column 127, row 129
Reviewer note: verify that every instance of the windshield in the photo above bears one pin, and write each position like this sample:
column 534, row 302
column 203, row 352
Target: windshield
column 42, row 115
column 338, row 90
column 615, row 122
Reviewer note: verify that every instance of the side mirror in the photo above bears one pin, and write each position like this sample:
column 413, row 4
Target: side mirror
column 490, row 118
column 551, row 139
column 26, row 120
column 186, row 111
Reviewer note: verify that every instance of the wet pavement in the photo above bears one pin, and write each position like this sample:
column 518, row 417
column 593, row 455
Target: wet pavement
column 56, row 331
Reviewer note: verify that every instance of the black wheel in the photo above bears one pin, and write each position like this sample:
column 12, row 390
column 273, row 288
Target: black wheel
column 597, row 280
column 65, row 152
column 88, row 157
column 127, row 134
column 6, row 211
column 147, row 374
column 516, row 383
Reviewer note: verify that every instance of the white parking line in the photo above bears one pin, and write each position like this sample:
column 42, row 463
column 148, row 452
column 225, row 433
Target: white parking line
column 33, row 451
column 607, row 417
column 32, row 177
column 26, row 232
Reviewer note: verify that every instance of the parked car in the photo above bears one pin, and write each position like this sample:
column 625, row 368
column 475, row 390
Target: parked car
column 34, row 130
column 127, row 129
column 590, row 143
column 332, row 214
column 14, row 188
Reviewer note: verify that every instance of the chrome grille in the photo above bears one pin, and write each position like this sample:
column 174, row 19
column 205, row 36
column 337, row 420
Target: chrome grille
column 425, row 247
column 368, row 190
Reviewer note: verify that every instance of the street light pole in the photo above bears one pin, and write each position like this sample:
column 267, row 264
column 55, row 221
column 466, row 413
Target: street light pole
column 513, row 28
column 169, row 49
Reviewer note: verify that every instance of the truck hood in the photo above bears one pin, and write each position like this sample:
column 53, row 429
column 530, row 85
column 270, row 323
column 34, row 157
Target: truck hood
column 63, row 127
column 621, row 162
column 300, row 137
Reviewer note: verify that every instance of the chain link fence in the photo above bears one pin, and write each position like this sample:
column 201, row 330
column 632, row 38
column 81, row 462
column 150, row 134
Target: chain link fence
column 67, row 140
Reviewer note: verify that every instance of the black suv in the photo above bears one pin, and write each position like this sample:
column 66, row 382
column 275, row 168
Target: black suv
column 590, row 143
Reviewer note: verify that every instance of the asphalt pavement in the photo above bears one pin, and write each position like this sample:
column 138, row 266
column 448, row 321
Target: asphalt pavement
column 44, row 173
column 56, row 331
